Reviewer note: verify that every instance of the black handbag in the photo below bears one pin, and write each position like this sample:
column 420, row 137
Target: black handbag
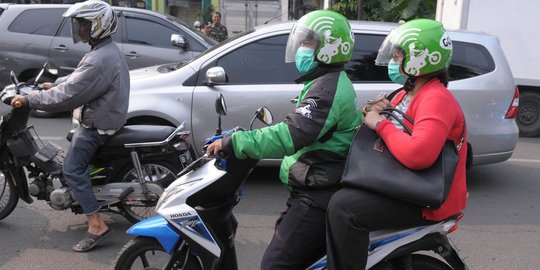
column 371, row 166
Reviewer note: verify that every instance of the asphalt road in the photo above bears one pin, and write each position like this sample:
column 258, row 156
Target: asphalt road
column 501, row 228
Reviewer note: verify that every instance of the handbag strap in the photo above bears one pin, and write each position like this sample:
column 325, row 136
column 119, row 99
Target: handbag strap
column 390, row 113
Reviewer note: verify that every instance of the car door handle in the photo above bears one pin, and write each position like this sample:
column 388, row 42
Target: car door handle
column 61, row 48
column 294, row 100
column 132, row 54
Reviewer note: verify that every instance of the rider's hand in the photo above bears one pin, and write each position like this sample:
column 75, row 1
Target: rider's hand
column 214, row 148
column 18, row 101
column 46, row 85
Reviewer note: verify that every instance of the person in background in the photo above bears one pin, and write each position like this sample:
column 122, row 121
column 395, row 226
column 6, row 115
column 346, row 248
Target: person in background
column 313, row 140
column 99, row 88
column 418, row 54
column 216, row 30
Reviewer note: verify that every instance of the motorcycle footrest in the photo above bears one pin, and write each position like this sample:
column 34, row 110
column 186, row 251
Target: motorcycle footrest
column 126, row 193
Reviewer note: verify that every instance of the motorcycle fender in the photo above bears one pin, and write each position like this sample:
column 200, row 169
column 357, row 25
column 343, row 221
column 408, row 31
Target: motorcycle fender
column 158, row 228
column 453, row 257
column 19, row 181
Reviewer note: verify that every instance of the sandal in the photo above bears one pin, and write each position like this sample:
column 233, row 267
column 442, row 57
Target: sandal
column 90, row 241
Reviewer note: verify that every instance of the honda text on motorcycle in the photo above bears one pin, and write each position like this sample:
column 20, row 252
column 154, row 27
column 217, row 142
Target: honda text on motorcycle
column 128, row 173
column 195, row 228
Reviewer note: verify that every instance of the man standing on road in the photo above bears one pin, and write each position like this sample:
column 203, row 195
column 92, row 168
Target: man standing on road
column 217, row 30
column 99, row 87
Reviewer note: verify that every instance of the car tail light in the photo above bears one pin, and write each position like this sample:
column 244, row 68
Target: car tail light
column 512, row 111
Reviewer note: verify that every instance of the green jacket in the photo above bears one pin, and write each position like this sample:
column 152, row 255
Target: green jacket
column 313, row 140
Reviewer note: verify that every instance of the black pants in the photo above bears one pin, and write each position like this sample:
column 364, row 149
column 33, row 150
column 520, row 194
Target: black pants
column 352, row 214
column 299, row 238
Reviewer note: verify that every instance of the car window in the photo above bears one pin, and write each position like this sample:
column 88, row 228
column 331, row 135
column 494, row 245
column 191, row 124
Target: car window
column 470, row 60
column 260, row 62
column 37, row 22
column 146, row 32
column 362, row 66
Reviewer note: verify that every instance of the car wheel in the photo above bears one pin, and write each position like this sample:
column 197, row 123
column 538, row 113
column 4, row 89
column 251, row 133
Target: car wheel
column 528, row 118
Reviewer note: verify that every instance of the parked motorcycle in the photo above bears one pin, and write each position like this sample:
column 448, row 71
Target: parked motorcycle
column 128, row 173
column 195, row 228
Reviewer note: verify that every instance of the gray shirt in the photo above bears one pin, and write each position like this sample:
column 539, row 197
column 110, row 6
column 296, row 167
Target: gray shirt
column 100, row 85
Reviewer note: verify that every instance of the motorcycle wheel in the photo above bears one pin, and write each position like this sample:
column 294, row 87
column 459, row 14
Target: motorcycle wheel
column 419, row 262
column 426, row 262
column 8, row 197
column 160, row 172
column 147, row 253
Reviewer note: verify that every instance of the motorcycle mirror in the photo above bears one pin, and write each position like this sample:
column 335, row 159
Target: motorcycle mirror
column 263, row 114
column 221, row 109
column 13, row 78
column 52, row 69
column 48, row 68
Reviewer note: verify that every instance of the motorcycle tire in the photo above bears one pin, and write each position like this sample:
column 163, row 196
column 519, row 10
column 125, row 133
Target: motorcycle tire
column 8, row 197
column 419, row 262
column 426, row 262
column 157, row 171
column 147, row 253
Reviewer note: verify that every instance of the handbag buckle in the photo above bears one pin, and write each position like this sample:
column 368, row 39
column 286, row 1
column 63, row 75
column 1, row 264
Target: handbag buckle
column 379, row 145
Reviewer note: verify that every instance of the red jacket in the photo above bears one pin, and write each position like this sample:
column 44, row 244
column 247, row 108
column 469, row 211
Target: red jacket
column 437, row 117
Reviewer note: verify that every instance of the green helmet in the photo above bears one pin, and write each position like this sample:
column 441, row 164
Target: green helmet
column 424, row 43
column 328, row 30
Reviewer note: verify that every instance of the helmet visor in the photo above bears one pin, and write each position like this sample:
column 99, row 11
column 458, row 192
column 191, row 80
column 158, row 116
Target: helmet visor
column 389, row 49
column 75, row 28
column 300, row 36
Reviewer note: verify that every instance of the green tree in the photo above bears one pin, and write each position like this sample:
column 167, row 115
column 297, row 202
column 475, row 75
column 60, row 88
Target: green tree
column 207, row 14
column 386, row 10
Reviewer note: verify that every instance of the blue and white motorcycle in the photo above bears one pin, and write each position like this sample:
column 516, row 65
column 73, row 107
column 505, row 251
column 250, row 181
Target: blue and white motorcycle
column 195, row 229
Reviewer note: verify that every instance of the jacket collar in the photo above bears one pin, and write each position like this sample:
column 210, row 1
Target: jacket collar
column 320, row 71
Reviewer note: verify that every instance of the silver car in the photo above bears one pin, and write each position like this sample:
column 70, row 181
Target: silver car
column 250, row 71
column 34, row 34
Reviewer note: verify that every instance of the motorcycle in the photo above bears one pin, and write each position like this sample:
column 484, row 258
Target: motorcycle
column 195, row 228
column 128, row 173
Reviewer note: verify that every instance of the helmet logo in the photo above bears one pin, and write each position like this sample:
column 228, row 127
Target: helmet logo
column 332, row 46
column 445, row 42
column 418, row 59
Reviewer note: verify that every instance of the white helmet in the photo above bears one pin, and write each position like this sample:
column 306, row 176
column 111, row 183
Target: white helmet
column 99, row 13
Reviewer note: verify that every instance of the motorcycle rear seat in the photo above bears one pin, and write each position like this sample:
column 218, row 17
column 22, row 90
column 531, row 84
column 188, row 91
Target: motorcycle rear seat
column 139, row 134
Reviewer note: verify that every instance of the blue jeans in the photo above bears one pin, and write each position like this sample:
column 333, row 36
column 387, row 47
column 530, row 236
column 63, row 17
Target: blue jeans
column 83, row 145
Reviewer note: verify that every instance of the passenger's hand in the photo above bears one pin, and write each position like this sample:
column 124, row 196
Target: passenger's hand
column 214, row 148
column 379, row 105
column 46, row 85
column 372, row 118
column 17, row 101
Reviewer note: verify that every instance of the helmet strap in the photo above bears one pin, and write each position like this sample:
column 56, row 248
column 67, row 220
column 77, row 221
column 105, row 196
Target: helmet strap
column 409, row 84
column 94, row 41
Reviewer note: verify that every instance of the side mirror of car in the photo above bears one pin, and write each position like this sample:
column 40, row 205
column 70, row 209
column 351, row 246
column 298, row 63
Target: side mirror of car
column 179, row 41
column 216, row 75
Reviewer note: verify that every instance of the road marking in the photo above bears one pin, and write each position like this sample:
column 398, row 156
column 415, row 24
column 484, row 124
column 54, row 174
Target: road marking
column 524, row 160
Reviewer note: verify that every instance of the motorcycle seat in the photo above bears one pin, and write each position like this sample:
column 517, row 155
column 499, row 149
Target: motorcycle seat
column 139, row 134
